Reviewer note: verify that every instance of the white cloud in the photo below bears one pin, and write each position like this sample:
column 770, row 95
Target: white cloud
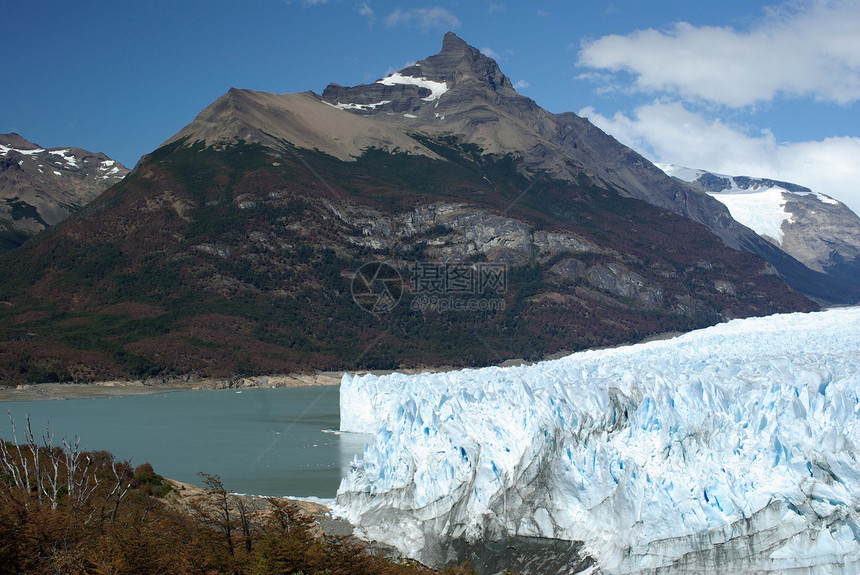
column 668, row 132
column 520, row 84
column 808, row 48
column 490, row 53
column 425, row 19
column 365, row 10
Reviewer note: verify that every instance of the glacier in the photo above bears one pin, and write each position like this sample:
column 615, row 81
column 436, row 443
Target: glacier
column 732, row 448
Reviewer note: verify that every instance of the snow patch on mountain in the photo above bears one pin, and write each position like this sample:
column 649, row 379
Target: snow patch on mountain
column 69, row 159
column 5, row 151
column 758, row 204
column 763, row 211
column 436, row 88
column 729, row 448
column 340, row 106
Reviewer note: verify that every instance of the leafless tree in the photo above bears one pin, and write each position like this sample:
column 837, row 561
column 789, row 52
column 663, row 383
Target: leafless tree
column 54, row 473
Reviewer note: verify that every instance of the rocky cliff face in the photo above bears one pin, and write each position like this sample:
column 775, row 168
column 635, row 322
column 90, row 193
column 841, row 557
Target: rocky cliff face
column 40, row 187
column 820, row 232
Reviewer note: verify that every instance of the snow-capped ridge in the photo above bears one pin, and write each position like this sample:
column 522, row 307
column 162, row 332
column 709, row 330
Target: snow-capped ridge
column 817, row 230
column 740, row 184
column 5, row 151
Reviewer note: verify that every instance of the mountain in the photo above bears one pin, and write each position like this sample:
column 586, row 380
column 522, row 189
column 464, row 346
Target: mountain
column 434, row 217
column 464, row 93
column 461, row 91
column 40, row 187
column 820, row 232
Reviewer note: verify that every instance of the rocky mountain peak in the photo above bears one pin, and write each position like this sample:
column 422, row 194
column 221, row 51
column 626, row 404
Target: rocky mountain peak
column 16, row 141
column 820, row 232
column 458, row 60
column 453, row 43
column 459, row 71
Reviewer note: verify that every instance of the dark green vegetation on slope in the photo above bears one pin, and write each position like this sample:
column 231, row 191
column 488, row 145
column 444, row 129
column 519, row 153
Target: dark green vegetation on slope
column 236, row 261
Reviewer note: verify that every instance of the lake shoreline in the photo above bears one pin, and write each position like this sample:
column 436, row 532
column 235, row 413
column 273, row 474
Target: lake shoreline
column 122, row 388
column 125, row 388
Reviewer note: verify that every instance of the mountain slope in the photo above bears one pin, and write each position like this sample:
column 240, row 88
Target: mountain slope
column 238, row 247
column 820, row 232
column 40, row 187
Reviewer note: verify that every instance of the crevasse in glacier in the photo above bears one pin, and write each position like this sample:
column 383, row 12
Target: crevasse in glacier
column 733, row 447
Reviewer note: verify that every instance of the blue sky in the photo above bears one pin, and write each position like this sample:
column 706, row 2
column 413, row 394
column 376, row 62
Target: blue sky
column 743, row 88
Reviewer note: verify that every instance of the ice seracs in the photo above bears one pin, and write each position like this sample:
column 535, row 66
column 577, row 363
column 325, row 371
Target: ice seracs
column 727, row 449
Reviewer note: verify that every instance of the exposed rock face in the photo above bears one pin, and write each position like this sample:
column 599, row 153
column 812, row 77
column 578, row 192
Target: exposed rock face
column 820, row 232
column 458, row 232
column 40, row 187
column 463, row 94
column 822, row 235
column 618, row 280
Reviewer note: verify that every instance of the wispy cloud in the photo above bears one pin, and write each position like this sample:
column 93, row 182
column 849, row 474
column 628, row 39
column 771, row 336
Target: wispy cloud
column 669, row 132
column 365, row 10
column 520, row 84
column 807, row 48
column 425, row 19
column 490, row 53
column 307, row 3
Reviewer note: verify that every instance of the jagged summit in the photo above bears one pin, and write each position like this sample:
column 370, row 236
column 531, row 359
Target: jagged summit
column 459, row 62
column 453, row 43
column 459, row 71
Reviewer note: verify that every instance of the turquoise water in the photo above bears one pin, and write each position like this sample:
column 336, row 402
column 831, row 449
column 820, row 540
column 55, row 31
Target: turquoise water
column 260, row 441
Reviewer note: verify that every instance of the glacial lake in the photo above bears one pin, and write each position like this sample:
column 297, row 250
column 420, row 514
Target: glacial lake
column 275, row 442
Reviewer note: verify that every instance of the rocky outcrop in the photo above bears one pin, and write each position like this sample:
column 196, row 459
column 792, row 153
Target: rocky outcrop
column 618, row 280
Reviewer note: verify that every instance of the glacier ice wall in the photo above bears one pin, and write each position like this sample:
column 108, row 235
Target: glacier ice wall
column 729, row 448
